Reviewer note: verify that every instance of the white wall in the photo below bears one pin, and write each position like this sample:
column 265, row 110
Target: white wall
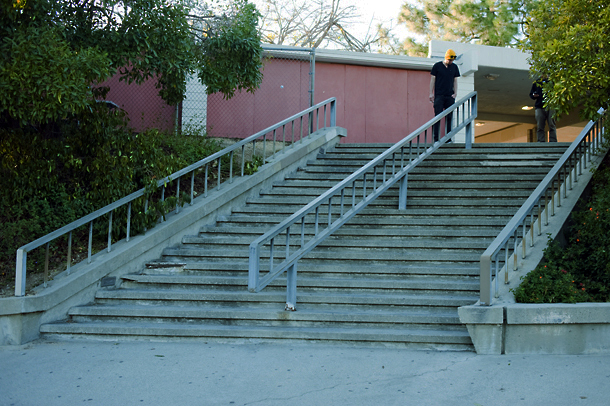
column 195, row 106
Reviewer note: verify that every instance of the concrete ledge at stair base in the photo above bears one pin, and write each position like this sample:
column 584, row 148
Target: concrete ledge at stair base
column 21, row 317
column 581, row 328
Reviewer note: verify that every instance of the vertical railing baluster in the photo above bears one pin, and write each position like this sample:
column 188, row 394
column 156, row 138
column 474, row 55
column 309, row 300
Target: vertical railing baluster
column 552, row 197
column 231, row 167
column 302, row 231
column 540, row 216
column 46, row 266
column 110, row 231
column 128, row 221
column 301, row 132
column 546, row 207
column 177, row 195
column 271, row 248
column 324, row 123
column 243, row 159
column 219, row 173
column 192, row 187
column 89, row 248
column 515, row 237
column 342, row 201
column 496, row 288
column 69, row 252
column 384, row 170
column 205, row 183
column 316, row 221
column 330, row 207
column 364, row 187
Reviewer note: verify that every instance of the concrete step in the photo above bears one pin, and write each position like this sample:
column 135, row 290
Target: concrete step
column 270, row 316
column 234, row 267
column 403, row 338
column 367, row 231
column 389, row 277
column 306, row 298
column 306, row 281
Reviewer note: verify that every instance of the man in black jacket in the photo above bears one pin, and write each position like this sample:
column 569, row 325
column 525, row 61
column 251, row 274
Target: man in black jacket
column 543, row 115
column 443, row 88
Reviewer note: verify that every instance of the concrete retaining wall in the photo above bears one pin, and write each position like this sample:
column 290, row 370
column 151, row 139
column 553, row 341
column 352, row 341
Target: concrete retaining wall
column 581, row 328
column 21, row 317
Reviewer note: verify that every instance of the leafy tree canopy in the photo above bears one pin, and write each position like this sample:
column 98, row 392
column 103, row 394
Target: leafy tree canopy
column 570, row 42
column 55, row 51
column 490, row 22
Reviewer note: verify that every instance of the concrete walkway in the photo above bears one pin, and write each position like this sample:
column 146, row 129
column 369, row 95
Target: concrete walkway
column 149, row 373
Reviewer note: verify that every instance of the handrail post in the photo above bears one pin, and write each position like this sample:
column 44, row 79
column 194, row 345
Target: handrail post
column 291, row 288
column 485, row 276
column 253, row 268
column 333, row 113
column 20, row 274
column 402, row 193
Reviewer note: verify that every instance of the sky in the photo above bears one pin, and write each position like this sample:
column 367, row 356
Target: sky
column 384, row 11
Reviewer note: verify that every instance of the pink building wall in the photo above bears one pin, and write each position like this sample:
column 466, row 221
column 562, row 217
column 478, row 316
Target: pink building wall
column 283, row 93
column 375, row 104
column 142, row 103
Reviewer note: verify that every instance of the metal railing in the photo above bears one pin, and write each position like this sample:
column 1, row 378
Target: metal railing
column 548, row 194
column 351, row 196
column 287, row 132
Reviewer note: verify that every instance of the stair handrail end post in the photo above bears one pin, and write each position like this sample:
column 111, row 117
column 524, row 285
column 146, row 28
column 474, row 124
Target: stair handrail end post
column 20, row 272
column 253, row 268
column 291, row 288
column 485, row 275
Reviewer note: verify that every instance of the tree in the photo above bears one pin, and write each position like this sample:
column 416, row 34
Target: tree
column 570, row 42
column 55, row 51
column 489, row 22
column 314, row 24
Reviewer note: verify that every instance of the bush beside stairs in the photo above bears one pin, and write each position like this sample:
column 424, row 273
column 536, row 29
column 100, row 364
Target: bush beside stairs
column 388, row 277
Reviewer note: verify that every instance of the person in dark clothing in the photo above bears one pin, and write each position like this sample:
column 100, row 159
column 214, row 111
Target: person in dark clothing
column 443, row 88
column 543, row 115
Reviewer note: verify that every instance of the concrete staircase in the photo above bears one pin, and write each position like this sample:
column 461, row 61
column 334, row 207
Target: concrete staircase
column 388, row 277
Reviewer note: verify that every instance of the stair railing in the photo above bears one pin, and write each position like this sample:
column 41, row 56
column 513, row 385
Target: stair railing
column 306, row 122
column 541, row 203
column 348, row 198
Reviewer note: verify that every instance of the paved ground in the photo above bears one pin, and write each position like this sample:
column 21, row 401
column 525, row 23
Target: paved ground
column 145, row 373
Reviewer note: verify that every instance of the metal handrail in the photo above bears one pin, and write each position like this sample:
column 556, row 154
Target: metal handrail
column 387, row 169
column 303, row 119
column 567, row 168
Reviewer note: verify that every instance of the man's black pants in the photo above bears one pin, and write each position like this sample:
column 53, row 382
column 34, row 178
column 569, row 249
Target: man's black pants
column 440, row 104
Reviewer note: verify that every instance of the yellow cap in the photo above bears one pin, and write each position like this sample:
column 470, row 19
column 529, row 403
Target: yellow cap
column 450, row 54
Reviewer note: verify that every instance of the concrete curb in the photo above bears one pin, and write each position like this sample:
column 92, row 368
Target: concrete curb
column 21, row 317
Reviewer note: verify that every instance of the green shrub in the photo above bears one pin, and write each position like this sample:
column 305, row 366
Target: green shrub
column 585, row 260
column 79, row 165
column 550, row 283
